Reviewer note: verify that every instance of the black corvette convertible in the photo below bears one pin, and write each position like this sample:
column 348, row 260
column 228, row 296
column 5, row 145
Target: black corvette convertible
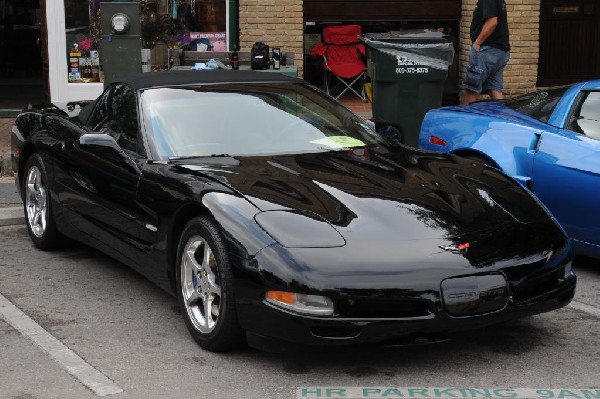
column 273, row 212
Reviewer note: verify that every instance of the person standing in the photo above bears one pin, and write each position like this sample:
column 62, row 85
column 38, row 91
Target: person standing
column 490, row 51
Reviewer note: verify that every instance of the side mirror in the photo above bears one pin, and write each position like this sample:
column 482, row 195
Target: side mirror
column 105, row 146
column 98, row 142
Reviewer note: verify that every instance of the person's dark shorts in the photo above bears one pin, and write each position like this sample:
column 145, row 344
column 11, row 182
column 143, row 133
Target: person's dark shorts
column 485, row 69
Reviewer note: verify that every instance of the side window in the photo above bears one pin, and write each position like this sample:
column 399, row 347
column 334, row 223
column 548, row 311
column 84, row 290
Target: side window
column 539, row 105
column 100, row 111
column 585, row 117
column 124, row 117
column 115, row 114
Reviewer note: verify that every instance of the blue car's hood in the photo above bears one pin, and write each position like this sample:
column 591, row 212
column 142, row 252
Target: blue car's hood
column 497, row 110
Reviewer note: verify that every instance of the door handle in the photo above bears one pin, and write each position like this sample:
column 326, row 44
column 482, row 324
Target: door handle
column 536, row 140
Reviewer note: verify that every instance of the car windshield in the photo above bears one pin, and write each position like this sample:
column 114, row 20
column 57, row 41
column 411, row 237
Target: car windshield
column 538, row 105
column 249, row 119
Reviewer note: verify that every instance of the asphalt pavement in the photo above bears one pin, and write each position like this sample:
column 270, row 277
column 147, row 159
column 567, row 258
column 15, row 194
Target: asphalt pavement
column 80, row 325
column 75, row 324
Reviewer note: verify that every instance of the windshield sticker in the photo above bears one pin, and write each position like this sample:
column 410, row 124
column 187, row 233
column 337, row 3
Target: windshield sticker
column 338, row 142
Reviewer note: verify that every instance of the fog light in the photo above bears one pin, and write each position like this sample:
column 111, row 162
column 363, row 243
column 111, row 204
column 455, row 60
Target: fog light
column 307, row 304
column 568, row 270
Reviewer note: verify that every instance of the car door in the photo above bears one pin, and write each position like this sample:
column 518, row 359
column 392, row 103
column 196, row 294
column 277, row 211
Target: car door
column 99, row 174
column 566, row 171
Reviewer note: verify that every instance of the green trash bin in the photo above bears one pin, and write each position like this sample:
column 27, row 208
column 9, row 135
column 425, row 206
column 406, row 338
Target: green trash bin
column 408, row 70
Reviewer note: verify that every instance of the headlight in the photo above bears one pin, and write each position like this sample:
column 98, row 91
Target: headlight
column 315, row 305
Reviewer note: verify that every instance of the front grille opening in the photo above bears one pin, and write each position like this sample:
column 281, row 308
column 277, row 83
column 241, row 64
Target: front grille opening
column 335, row 332
column 540, row 285
column 355, row 307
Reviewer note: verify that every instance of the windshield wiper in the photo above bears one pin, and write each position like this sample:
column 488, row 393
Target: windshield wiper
column 186, row 157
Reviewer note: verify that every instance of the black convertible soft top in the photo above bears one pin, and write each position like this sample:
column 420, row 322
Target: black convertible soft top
column 181, row 78
column 178, row 78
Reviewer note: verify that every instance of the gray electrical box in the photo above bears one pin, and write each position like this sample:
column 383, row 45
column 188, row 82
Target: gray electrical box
column 121, row 39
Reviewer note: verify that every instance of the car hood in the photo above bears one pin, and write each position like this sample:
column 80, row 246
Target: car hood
column 377, row 191
column 497, row 110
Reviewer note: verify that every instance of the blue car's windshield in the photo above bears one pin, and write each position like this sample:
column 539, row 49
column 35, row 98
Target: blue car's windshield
column 538, row 105
column 249, row 119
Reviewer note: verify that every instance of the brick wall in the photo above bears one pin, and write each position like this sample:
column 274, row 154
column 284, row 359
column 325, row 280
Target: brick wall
column 278, row 23
column 520, row 74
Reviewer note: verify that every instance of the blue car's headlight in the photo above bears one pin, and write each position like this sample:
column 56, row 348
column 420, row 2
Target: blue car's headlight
column 299, row 230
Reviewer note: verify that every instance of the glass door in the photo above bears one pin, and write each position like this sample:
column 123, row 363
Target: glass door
column 21, row 66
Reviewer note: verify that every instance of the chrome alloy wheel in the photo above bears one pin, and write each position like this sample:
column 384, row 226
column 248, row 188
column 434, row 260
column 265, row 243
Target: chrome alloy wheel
column 36, row 202
column 200, row 284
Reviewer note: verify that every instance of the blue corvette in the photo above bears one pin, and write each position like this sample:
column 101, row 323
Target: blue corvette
column 549, row 141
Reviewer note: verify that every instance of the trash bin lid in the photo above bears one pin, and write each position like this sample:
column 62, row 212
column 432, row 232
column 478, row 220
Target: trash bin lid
column 421, row 47
column 400, row 35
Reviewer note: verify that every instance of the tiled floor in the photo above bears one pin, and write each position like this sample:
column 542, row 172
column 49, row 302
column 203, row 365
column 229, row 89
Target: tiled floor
column 364, row 110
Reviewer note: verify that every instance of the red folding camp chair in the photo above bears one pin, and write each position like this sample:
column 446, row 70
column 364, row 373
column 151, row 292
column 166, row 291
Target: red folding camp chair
column 343, row 62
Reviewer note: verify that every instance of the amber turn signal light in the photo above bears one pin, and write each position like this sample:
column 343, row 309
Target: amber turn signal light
column 315, row 305
column 281, row 296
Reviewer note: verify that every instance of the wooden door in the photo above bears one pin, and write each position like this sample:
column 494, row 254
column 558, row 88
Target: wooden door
column 569, row 41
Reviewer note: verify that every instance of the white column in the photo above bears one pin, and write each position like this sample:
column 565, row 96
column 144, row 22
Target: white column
column 60, row 88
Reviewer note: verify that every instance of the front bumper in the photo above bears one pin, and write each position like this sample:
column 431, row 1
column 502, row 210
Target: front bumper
column 265, row 321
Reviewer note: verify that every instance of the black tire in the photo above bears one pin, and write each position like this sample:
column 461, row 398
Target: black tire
column 198, row 280
column 483, row 160
column 37, row 206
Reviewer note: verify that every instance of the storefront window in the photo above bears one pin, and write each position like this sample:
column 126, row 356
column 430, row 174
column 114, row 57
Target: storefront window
column 82, row 41
column 195, row 25
column 208, row 30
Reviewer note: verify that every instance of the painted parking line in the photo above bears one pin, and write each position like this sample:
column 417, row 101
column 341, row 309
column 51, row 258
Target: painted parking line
column 443, row 393
column 584, row 307
column 65, row 357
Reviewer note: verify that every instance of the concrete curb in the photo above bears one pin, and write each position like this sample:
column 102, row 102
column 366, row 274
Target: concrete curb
column 12, row 216
column 5, row 163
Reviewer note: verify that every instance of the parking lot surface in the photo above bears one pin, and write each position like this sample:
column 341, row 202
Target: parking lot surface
column 131, row 333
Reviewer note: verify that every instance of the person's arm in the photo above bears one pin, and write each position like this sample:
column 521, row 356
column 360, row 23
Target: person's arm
column 488, row 27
